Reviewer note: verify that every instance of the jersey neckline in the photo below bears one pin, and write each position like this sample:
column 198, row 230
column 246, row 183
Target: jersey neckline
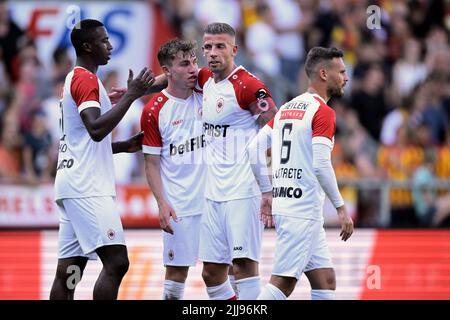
column 168, row 95
column 240, row 67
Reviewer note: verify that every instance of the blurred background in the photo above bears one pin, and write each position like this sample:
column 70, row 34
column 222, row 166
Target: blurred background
column 391, row 156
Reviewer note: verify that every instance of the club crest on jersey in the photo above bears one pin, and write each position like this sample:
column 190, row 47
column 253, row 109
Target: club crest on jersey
column 111, row 234
column 219, row 104
column 171, row 254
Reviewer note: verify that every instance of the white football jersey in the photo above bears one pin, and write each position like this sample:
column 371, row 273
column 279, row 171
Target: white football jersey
column 173, row 129
column 85, row 167
column 300, row 123
column 229, row 126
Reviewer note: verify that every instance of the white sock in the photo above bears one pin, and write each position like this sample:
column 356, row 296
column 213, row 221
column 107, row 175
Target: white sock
column 233, row 283
column 317, row 294
column 248, row 288
column 223, row 291
column 173, row 290
column 271, row 292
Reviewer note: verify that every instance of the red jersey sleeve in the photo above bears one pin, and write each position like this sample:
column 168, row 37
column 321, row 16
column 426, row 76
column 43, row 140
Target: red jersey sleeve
column 84, row 89
column 203, row 75
column 248, row 88
column 324, row 122
column 152, row 141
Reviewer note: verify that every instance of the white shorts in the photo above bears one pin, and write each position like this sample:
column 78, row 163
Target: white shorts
column 86, row 224
column 301, row 246
column 231, row 230
column 181, row 248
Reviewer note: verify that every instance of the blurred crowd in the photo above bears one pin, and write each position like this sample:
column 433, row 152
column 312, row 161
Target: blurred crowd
column 392, row 123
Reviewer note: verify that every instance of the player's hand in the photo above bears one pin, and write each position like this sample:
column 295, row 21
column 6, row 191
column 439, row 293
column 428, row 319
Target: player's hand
column 142, row 83
column 165, row 212
column 134, row 144
column 266, row 209
column 116, row 94
column 346, row 223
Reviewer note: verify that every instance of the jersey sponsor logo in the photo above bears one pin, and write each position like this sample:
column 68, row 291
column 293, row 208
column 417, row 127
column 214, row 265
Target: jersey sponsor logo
column 215, row 130
column 239, row 248
column 296, row 105
column 286, row 192
column 292, row 114
column 66, row 163
column 219, row 104
column 177, row 122
column 188, row 146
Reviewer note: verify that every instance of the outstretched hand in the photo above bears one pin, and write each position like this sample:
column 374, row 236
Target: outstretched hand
column 142, row 83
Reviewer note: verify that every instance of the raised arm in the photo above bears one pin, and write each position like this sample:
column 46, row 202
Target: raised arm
column 100, row 125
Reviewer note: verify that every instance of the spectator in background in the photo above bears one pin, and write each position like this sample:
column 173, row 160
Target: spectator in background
column 394, row 120
column 27, row 99
column 228, row 11
column 398, row 163
column 290, row 22
column 10, row 141
column 399, row 31
column 431, row 208
column 37, row 158
column 29, row 55
column 262, row 42
column 62, row 63
column 410, row 69
column 428, row 108
column 51, row 109
column 10, row 38
column 369, row 101
column 443, row 158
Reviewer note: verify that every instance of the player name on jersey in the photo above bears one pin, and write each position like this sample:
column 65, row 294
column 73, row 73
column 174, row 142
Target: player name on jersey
column 289, row 173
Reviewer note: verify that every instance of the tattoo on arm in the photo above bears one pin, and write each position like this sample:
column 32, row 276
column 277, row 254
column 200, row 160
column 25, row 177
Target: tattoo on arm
column 265, row 108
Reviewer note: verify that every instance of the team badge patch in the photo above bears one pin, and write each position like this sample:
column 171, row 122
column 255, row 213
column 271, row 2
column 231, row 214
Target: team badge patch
column 171, row 254
column 111, row 234
column 219, row 104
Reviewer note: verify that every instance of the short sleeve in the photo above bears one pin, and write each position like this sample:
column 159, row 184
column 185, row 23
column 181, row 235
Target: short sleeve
column 324, row 126
column 248, row 88
column 152, row 142
column 84, row 89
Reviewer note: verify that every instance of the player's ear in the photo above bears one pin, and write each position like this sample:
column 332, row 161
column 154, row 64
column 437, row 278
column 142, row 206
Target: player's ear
column 235, row 50
column 323, row 74
column 86, row 47
column 166, row 70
